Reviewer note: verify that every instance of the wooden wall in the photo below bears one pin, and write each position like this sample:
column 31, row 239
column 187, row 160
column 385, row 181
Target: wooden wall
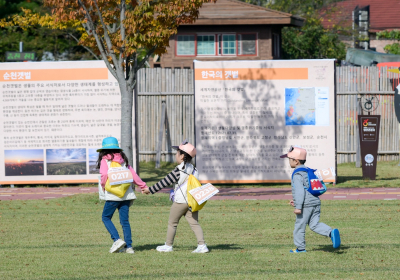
column 176, row 87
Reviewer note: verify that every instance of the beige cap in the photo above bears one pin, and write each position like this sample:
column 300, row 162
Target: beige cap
column 296, row 153
column 187, row 148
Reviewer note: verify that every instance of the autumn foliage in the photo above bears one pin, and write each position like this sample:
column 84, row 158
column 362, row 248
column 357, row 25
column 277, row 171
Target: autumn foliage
column 122, row 33
column 118, row 29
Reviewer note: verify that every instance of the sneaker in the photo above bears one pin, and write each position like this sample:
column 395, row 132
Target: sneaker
column 335, row 237
column 297, row 251
column 127, row 250
column 201, row 249
column 164, row 248
column 117, row 245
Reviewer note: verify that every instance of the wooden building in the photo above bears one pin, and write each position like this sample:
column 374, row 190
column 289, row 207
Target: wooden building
column 227, row 30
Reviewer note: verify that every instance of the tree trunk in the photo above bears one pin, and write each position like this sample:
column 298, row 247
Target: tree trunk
column 126, row 119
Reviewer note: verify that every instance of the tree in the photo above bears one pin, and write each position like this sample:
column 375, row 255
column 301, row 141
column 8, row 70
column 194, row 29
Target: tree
column 46, row 42
column 390, row 35
column 119, row 31
column 312, row 40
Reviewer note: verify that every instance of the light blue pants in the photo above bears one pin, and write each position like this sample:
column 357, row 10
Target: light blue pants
column 309, row 216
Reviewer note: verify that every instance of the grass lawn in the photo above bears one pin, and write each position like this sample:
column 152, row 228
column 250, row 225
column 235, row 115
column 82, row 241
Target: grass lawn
column 65, row 239
column 388, row 175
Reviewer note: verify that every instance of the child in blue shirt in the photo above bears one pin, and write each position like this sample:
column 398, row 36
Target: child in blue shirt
column 307, row 206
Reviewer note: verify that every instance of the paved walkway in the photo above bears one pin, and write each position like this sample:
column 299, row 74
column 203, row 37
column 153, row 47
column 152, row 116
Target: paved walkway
column 231, row 194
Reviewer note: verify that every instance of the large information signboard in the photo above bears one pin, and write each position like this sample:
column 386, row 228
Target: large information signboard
column 248, row 113
column 53, row 117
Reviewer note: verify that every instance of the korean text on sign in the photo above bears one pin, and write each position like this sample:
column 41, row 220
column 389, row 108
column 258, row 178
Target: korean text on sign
column 17, row 76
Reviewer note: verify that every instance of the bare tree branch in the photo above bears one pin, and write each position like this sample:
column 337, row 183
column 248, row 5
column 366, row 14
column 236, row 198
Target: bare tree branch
column 117, row 63
column 100, row 45
column 86, row 48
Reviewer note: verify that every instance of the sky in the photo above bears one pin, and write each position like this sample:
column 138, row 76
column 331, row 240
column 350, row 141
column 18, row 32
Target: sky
column 12, row 156
column 93, row 155
column 65, row 155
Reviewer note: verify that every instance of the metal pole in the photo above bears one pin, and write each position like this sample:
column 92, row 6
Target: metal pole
column 21, row 46
column 358, row 149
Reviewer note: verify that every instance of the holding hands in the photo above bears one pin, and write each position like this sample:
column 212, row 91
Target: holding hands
column 145, row 191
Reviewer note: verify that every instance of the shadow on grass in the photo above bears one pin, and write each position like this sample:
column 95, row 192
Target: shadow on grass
column 328, row 248
column 224, row 247
column 146, row 247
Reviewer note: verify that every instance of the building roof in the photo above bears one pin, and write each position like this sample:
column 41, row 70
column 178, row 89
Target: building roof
column 383, row 14
column 233, row 12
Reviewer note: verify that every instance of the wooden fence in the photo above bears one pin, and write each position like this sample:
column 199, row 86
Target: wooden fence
column 175, row 87
column 351, row 84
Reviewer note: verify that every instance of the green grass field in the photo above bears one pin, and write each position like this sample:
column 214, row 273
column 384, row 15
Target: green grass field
column 388, row 175
column 65, row 239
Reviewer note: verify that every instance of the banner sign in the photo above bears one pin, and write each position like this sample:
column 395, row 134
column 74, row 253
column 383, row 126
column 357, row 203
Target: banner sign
column 369, row 126
column 53, row 117
column 248, row 113
column 204, row 193
column 119, row 175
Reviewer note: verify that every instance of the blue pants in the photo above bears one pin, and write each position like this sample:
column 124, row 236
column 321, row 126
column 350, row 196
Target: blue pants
column 123, row 209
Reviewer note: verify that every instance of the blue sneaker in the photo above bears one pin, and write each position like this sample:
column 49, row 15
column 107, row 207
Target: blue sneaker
column 335, row 236
column 297, row 251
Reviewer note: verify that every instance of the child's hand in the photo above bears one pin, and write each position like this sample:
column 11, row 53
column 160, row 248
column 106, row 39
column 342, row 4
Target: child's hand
column 145, row 191
column 297, row 211
column 291, row 202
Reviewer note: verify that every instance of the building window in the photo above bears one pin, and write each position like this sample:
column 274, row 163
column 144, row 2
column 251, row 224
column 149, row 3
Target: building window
column 276, row 50
column 206, row 44
column 241, row 44
column 247, row 44
column 185, row 45
column 229, row 44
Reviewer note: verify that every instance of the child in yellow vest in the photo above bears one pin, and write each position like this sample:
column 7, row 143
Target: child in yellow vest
column 108, row 153
column 178, row 177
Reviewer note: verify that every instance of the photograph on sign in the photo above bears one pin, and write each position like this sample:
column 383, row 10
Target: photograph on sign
column 54, row 116
column 24, row 162
column 248, row 113
column 93, row 156
column 66, row 161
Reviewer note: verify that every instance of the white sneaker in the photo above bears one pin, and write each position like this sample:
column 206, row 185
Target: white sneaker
column 201, row 249
column 127, row 250
column 117, row 245
column 164, row 248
